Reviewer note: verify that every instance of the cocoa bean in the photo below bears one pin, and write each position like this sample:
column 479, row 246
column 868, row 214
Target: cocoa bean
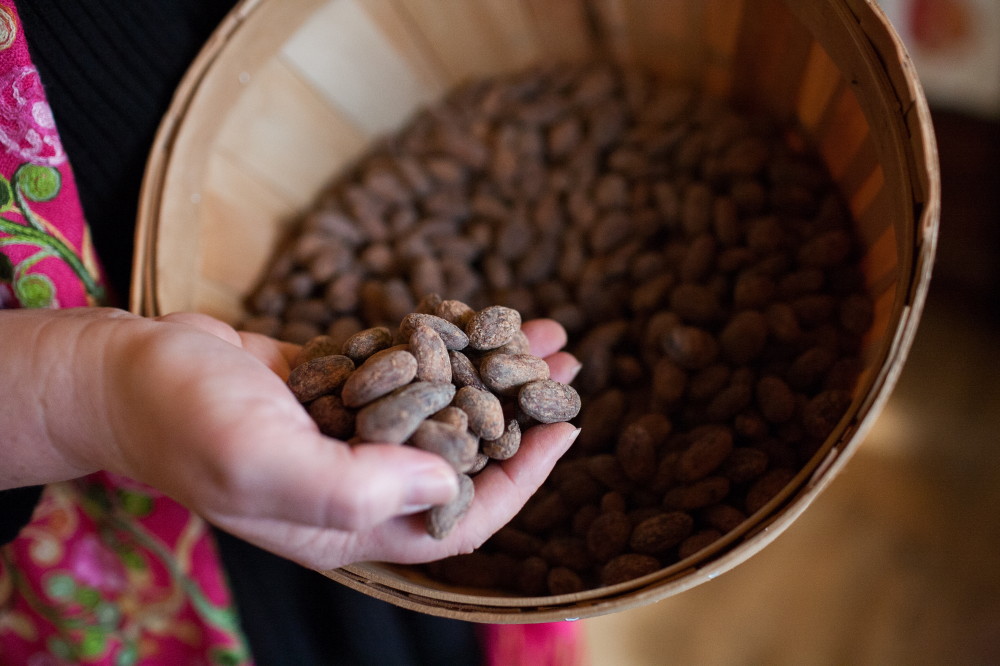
column 442, row 519
column 549, row 401
column 505, row 374
column 506, row 445
column 378, row 376
column 320, row 376
column 395, row 417
column 456, row 446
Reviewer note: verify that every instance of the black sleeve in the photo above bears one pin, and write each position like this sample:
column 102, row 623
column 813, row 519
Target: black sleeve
column 16, row 506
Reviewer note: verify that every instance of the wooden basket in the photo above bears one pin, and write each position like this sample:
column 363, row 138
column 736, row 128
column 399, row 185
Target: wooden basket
column 288, row 92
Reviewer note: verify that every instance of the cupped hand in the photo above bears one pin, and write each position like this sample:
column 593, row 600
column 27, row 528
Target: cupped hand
column 202, row 412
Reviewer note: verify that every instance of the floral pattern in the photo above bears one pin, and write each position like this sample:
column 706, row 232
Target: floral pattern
column 41, row 264
column 27, row 128
column 32, row 240
column 111, row 572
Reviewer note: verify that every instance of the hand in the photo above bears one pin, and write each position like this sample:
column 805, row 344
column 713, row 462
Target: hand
column 201, row 412
column 501, row 490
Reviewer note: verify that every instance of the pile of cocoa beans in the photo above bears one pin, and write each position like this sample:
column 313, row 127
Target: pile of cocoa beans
column 699, row 256
column 449, row 380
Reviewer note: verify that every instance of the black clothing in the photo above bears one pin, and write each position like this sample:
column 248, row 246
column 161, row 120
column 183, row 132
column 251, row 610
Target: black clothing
column 17, row 505
column 109, row 70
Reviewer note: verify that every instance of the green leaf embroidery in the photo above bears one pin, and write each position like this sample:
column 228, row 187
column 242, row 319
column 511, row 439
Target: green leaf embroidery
column 6, row 195
column 37, row 183
column 35, row 290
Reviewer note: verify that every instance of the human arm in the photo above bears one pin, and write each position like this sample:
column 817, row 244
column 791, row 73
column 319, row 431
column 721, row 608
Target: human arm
column 199, row 411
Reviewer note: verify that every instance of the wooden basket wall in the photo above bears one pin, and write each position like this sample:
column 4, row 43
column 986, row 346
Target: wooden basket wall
column 288, row 92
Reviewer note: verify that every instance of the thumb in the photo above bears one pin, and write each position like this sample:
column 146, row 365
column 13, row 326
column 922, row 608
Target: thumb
column 321, row 482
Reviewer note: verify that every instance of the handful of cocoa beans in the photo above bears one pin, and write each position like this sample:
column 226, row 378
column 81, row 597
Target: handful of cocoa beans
column 451, row 380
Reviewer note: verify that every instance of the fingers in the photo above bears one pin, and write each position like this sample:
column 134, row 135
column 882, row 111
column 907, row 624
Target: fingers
column 501, row 491
column 276, row 355
column 546, row 336
column 324, row 483
column 563, row 366
column 205, row 323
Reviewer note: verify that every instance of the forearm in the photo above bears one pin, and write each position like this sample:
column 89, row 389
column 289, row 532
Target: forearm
column 52, row 416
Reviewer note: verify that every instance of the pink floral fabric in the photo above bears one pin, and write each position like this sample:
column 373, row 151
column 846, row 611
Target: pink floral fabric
column 46, row 256
column 545, row 644
column 111, row 572
column 108, row 571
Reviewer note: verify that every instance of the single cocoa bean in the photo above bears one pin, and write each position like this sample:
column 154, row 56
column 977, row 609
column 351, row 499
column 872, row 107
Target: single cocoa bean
column 549, row 401
column 441, row 520
column 395, row 417
column 608, row 535
column 454, row 338
column 661, row 532
column 378, row 376
column 456, row 446
column 364, row 343
column 433, row 361
column 453, row 416
column 320, row 376
column 332, row 417
column 628, row 566
column 506, row 445
column 484, row 410
column 505, row 374
column 492, row 327
column 710, row 446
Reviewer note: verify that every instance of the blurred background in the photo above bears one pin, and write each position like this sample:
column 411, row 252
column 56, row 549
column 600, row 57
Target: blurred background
column 897, row 560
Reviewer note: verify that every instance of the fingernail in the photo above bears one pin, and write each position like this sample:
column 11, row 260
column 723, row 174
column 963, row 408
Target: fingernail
column 573, row 435
column 429, row 486
column 575, row 371
column 410, row 509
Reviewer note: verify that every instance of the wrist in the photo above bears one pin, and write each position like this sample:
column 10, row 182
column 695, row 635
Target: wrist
column 54, row 415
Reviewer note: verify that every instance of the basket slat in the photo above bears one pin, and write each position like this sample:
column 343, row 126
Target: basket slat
column 820, row 81
column 571, row 40
column 345, row 57
column 862, row 182
column 259, row 219
column 611, row 20
column 842, row 134
column 263, row 136
column 397, row 29
column 516, row 31
column 472, row 39
column 722, row 22
column 654, row 29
